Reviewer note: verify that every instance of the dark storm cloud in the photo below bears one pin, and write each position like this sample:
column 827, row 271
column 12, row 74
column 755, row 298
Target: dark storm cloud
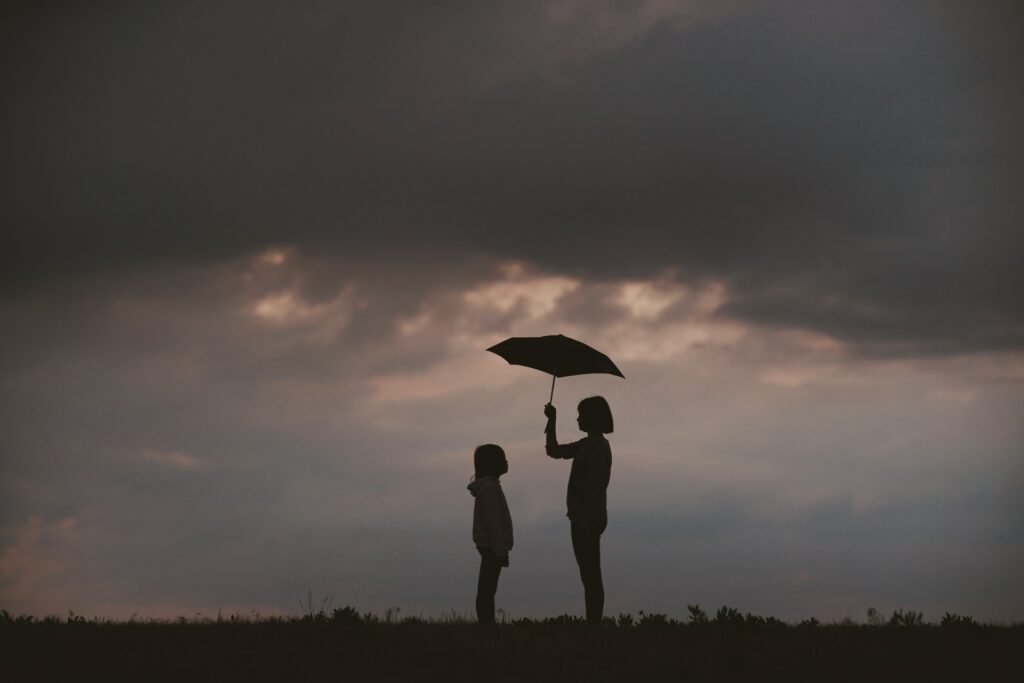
column 846, row 169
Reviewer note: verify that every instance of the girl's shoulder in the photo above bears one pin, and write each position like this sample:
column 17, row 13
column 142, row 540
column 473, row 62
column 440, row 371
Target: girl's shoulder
column 490, row 484
column 483, row 485
column 599, row 444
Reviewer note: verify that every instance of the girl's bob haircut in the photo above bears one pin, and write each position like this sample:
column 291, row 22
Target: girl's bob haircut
column 488, row 460
column 596, row 416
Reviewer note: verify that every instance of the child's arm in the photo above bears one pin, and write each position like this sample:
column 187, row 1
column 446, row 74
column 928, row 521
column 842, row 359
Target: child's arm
column 551, row 445
column 599, row 471
column 492, row 508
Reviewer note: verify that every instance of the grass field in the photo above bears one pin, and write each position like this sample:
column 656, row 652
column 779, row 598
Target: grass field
column 345, row 645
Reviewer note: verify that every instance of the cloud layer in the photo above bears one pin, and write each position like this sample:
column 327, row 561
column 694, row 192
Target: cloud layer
column 847, row 169
column 179, row 443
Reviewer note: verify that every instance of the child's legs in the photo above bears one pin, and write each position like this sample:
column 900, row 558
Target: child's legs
column 586, row 545
column 487, row 586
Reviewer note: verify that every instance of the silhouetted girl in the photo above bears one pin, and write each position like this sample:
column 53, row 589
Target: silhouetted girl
column 587, row 498
column 492, row 525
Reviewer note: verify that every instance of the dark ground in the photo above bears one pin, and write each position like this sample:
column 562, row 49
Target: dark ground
column 353, row 649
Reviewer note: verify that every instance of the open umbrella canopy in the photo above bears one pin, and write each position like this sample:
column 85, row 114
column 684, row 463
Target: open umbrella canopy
column 556, row 355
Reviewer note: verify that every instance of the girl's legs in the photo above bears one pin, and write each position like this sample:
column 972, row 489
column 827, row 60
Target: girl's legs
column 487, row 586
column 586, row 545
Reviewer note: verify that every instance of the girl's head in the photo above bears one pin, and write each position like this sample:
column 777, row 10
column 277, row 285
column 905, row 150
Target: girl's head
column 489, row 461
column 595, row 416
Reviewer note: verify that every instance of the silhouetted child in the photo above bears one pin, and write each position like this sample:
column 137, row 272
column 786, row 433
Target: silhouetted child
column 587, row 494
column 492, row 525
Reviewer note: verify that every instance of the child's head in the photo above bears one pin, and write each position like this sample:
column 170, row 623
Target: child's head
column 595, row 416
column 489, row 461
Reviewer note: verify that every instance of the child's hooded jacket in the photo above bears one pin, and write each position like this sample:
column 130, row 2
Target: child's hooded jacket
column 492, row 522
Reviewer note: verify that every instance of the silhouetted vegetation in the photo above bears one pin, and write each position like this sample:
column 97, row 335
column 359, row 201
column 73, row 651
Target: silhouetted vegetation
column 327, row 642
column 908, row 619
column 951, row 620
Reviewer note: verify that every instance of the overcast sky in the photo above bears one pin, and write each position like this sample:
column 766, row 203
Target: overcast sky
column 253, row 254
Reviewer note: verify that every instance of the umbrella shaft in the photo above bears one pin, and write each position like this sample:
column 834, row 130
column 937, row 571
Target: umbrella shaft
column 552, row 396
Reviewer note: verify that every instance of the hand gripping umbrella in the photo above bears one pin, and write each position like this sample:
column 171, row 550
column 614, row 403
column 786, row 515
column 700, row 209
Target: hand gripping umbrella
column 557, row 355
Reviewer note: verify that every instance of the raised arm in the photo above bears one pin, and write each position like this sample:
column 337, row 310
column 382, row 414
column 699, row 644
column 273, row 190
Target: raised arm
column 551, row 445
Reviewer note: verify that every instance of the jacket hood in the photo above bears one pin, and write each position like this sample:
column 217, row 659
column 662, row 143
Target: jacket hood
column 474, row 486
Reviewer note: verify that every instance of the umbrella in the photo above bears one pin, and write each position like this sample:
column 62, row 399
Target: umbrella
column 557, row 355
